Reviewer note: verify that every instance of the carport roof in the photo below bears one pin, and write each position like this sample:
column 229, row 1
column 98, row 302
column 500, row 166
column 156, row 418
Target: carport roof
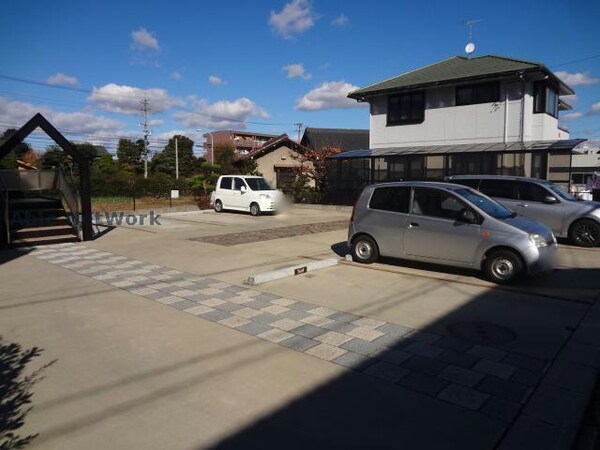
column 498, row 147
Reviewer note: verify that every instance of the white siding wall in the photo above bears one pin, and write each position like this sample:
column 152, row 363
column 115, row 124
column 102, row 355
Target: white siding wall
column 448, row 124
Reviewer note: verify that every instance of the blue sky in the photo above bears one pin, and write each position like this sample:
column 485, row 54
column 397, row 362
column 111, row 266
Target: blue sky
column 223, row 64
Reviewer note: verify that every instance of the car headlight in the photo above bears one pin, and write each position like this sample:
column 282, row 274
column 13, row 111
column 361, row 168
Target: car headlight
column 538, row 240
column 265, row 196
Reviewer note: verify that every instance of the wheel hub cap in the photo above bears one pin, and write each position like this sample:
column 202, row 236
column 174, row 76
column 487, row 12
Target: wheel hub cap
column 363, row 250
column 503, row 268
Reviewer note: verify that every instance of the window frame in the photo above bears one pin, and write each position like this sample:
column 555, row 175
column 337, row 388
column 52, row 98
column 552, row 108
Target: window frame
column 230, row 188
column 457, row 198
column 495, row 85
column 410, row 120
column 540, row 99
column 408, row 203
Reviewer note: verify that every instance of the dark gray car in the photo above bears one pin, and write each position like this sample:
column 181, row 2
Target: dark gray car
column 544, row 201
column 448, row 224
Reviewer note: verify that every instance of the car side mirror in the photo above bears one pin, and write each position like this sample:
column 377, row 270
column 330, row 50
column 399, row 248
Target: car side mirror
column 243, row 189
column 549, row 199
column 468, row 216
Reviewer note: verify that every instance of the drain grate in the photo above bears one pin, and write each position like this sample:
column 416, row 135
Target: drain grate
column 482, row 332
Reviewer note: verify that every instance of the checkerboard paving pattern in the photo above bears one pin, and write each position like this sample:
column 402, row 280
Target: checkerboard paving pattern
column 489, row 380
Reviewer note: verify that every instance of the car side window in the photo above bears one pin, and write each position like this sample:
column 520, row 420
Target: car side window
column 499, row 188
column 437, row 203
column 394, row 199
column 532, row 192
column 226, row 183
column 471, row 182
column 238, row 183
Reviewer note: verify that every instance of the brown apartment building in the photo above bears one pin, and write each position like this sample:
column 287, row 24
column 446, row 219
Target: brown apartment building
column 243, row 142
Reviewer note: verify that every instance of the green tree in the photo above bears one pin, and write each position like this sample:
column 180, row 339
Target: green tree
column 225, row 158
column 54, row 157
column 9, row 162
column 164, row 161
column 129, row 155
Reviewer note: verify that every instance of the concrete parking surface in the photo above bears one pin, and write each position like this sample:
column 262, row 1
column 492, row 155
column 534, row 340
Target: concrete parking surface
column 160, row 345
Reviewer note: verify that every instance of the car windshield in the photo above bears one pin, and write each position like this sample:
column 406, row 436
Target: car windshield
column 258, row 184
column 556, row 189
column 486, row 204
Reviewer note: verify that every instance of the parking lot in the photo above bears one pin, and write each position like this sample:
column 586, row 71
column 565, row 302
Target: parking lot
column 160, row 344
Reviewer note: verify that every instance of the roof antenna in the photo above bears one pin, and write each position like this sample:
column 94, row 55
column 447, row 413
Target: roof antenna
column 470, row 47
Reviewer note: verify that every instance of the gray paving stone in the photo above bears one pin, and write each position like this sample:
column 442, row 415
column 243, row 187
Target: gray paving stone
column 530, row 433
column 299, row 343
column 557, row 406
column 451, row 343
column 265, row 296
column 295, row 314
column 393, row 329
column 393, row 356
column 458, row 358
column 392, row 341
column 361, row 347
column 236, row 289
column 487, row 352
column 425, row 365
column 257, row 304
column 503, row 388
column 309, row 331
column 265, row 317
column 156, row 295
column 254, row 328
column 215, row 316
column 387, row 372
column 460, row 375
column 340, row 327
column 500, row 370
column 344, row 317
column 423, row 383
column 423, row 336
column 463, row 396
column 501, row 409
column 525, row 362
column 170, row 288
column 354, row 361
column 228, row 306
column 225, row 295
column 303, row 306
column 184, row 304
column 197, row 297
column 423, row 349
column 526, row 377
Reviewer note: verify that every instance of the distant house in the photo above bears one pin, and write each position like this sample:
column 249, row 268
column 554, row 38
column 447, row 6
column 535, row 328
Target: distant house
column 344, row 139
column 481, row 115
column 243, row 142
column 278, row 160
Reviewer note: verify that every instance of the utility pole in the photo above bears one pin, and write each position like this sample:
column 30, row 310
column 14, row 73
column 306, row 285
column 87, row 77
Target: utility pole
column 147, row 132
column 299, row 125
column 176, row 160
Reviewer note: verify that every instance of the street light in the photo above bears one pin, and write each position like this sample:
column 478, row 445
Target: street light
column 212, row 145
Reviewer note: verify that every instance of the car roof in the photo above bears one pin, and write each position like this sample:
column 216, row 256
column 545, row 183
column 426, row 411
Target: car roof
column 495, row 177
column 242, row 176
column 437, row 184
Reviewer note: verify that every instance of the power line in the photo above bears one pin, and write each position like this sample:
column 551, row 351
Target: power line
column 576, row 61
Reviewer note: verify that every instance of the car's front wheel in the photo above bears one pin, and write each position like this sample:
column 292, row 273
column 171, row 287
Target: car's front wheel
column 255, row 209
column 585, row 233
column 503, row 266
column 364, row 250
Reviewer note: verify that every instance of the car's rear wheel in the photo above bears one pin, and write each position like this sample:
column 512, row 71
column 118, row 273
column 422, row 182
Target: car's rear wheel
column 364, row 250
column 255, row 209
column 218, row 206
column 585, row 233
column 503, row 266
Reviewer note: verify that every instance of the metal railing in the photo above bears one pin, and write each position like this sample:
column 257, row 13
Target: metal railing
column 71, row 201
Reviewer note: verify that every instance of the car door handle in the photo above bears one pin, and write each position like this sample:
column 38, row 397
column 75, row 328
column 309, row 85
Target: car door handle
column 522, row 205
column 414, row 224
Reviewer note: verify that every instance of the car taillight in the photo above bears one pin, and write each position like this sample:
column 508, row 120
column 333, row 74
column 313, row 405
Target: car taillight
column 353, row 209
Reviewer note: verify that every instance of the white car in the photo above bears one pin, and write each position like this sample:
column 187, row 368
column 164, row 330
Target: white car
column 245, row 193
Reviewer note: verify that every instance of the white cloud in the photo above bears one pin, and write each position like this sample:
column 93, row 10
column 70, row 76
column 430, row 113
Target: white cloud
column 176, row 75
column 330, row 95
column 577, row 78
column 143, row 40
column 61, row 79
column 340, row 21
column 296, row 71
column 155, row 122
column 126, row 99
column 15, row 114
column 595, row 109
column 221, row 114
column 215, row 80
column 571, row 116
column 295, row 18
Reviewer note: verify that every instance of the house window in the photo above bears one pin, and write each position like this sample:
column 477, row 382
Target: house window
column 404, row 109
column 477, row 93
column 545, row 99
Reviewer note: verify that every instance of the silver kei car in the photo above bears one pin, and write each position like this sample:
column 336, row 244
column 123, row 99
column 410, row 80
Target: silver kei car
column 448, row 224
column 544, row 201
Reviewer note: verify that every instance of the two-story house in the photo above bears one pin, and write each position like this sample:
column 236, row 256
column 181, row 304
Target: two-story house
column 486, row 114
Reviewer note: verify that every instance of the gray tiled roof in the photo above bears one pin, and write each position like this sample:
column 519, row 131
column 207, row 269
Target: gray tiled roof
column 457, row 68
